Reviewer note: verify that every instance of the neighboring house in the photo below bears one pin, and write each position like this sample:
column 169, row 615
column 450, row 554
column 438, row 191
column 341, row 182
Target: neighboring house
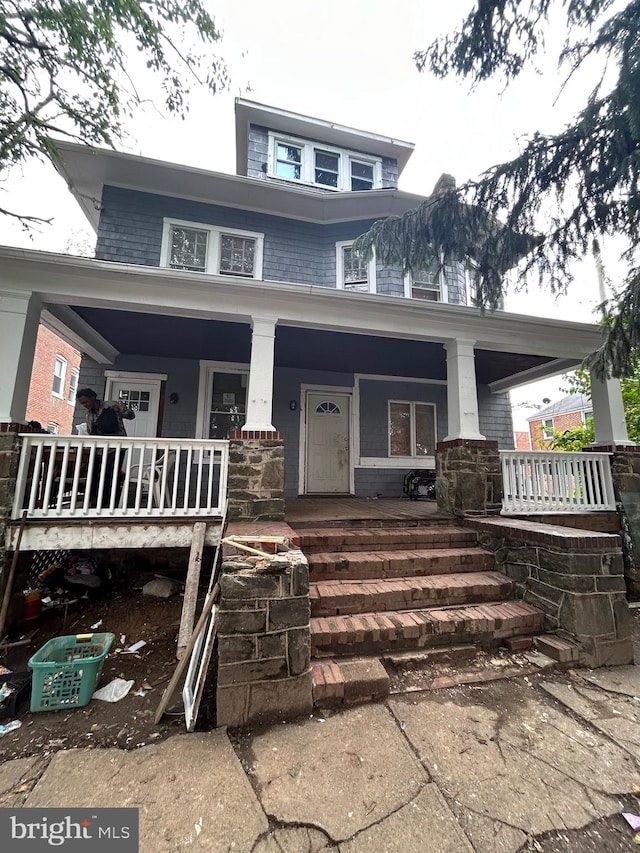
column 568, row 413
column 219, row 302
column 522, row 440
column 54, row 382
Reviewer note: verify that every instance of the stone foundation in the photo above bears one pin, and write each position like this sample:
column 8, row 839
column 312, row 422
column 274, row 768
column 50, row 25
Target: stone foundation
column 575, row 577
column 264, row 642
column 468, row 477
column 256, row 477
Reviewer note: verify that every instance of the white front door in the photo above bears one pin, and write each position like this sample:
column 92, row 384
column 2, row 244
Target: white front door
column 327, row 443
column 142, row 396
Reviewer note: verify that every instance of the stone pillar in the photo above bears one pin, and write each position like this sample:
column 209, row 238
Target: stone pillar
column 468, row 477
column 608, row 413
column 19, row 320
column 575, row 577
column 625, row 473
column 260, row 390
column 256, row 476
column 264, row 640
column 462, row 392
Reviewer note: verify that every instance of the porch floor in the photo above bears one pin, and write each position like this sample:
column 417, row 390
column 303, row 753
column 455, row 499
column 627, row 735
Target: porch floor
column 312, row 510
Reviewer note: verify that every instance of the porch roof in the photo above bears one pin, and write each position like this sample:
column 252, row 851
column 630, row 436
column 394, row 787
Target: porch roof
column 528, row 348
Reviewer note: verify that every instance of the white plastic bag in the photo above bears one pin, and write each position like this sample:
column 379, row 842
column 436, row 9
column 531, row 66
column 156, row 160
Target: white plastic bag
column 114, row 691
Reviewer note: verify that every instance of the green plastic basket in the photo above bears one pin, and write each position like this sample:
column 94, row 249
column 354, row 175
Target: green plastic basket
column 66, row 671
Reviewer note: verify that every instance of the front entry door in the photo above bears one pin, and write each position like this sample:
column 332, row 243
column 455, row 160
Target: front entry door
column 327, row 443
column 143, row 397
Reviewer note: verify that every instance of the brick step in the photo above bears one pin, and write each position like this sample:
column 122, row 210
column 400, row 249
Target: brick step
column 363, row 565
column 358, row 680
column 337, row 597
column 372, row 633
column 325, row 539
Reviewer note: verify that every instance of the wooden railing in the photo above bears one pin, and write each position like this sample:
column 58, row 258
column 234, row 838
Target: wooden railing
column 90, row 478
column 540, row 481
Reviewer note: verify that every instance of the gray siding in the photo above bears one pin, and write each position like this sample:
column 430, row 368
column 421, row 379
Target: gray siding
column 456, row 284
column 258, row 152
column 389, row 173
column 496, row 423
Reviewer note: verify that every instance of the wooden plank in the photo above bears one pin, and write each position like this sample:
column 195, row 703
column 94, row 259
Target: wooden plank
column 184, row 661
column 230, row 541
column 191, row 587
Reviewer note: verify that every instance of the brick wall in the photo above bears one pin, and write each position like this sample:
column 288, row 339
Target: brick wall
column 42, row 405
column 565, row 421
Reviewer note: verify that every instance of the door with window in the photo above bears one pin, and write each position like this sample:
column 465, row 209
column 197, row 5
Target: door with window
column 142, row 396
column 328, row 463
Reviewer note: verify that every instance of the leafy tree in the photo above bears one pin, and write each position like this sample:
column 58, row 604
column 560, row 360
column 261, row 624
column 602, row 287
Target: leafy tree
column 579, row 382
column 65, row 68
column 565, row 191
column 575, row 439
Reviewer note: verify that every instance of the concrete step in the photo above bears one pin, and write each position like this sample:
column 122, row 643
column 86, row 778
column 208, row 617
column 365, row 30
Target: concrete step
column 360, row 565
column 323, row 539
column 337, row 597
column 372, row 633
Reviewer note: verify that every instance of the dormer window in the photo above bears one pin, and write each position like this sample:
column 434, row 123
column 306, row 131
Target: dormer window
column 288, row 161
column 305, row 162
column 205, row 248
column 361, row 176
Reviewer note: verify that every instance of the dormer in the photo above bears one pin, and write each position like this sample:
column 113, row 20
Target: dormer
column 296, row 150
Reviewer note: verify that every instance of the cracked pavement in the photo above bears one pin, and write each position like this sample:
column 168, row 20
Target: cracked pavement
column 542, row 764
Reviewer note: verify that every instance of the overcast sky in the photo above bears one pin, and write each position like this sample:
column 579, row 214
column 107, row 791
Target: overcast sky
column 348, row 61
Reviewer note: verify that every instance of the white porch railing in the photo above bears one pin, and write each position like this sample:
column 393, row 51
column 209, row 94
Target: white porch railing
column 540, row 481
column 62, row 478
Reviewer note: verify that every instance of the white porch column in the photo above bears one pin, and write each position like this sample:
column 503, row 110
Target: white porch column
column 608, row 412
column 19, row 319
column 462, row 392
column 260, row 390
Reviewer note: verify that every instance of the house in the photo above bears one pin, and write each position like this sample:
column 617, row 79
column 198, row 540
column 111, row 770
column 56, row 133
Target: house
column 223, row 305
column 54, row 382
column 572, row 411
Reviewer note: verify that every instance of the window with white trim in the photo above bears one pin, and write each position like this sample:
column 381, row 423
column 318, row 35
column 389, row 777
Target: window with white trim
column 306, row 162
column 205, row 248
column 53, row 428
column 73, row 386
column 352, row 271
column 428, row 283
column 412, row 428
column 472, row 276
column 587, row 417
column 59, row 373
column 547, row 428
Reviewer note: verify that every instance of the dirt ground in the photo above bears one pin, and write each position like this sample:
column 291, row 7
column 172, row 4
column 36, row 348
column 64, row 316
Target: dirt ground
column 127, row 724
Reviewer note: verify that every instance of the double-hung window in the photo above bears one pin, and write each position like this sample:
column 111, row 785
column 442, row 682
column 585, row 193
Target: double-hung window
column 428, row 283
column 315, row 164
column 205, row 248
column 73, row 386
column 547, row 428
column 353, row 272
column 412, row 429
column 59, row 374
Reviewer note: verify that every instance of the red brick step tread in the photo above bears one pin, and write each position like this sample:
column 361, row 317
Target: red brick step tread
column 384, row 538
column 338, row 633
column 337, row 597
column 398, row 564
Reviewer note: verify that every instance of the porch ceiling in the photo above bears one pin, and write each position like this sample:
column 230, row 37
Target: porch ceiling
column 141, row 334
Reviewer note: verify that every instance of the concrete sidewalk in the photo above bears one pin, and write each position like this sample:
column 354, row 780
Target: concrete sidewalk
column 510, row 765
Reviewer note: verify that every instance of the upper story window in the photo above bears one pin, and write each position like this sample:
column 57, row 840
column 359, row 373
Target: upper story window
column 73, row 386
column 429, row 284
column 547, row 428
column 59, row 373
column 471, row 274
column 323, row 166
column 205, row 248
column 352, row 272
